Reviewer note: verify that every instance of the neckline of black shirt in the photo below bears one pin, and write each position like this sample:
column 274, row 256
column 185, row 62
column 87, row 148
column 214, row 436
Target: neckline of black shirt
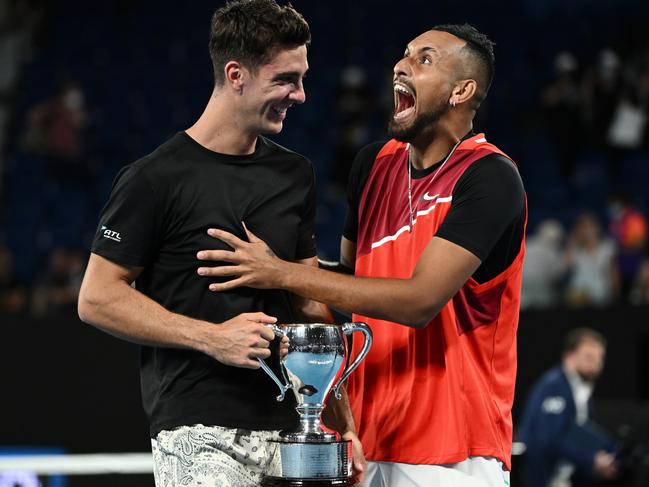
column 422, row 173
column 259, row 145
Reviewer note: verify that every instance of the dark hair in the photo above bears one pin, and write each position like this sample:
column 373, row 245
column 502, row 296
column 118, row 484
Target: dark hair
column 575, row 337
column 480, row 50
column 250, row 31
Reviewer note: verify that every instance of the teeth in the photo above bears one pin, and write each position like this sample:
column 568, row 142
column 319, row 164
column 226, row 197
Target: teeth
column 402, row 89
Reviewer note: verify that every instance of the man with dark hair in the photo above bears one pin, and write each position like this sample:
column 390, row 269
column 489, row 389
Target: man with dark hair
column 563, row 447
column 435, row 234
column 479, row 59
column 210, row 407
column 576, row 337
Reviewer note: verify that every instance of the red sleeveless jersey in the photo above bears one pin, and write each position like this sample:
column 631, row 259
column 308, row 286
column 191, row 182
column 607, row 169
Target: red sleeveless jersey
column 440, row 394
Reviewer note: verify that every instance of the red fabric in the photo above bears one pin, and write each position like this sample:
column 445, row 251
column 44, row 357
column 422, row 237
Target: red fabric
column 443, row 393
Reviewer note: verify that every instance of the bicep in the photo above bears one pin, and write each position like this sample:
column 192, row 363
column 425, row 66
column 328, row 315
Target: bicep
column 103, row 286
column 487, row 200
column 102, row 272
column 443, row 268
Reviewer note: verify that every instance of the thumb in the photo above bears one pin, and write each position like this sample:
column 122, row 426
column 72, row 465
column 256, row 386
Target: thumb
column 260, row 317
column 251, row 236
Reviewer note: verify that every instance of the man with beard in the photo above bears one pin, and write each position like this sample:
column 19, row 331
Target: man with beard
column 435, row 235
column 563, row 447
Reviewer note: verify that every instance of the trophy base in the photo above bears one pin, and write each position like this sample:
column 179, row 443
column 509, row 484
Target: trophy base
column 279, row 482
column 309, row 464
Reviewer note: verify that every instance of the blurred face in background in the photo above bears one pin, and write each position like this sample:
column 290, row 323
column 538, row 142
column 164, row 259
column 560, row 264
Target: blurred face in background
column 73, row 98
column 587, row 231
column 587, row 359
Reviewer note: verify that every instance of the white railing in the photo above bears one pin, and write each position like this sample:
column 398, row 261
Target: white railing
column 95, row 464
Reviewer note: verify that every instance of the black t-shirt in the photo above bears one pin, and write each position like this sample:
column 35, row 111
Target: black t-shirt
column 157, row 218
column 486, row 219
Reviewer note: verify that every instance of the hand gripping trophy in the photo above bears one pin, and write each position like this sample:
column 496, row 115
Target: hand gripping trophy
column 311, row 455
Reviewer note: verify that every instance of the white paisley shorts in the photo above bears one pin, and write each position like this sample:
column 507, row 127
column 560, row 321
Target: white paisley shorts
column 211, row 456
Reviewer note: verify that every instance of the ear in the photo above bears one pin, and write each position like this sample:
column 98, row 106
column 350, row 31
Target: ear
column 463, row 91
column 235, row 75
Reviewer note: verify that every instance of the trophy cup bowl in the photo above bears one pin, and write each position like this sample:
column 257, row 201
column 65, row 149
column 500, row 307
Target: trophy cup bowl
column 315, row 364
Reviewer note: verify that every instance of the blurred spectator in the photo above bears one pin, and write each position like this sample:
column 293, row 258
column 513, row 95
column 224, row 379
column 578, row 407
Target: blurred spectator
column 13, row 295
column 603, row 85
column 18, row 21
column 562, row 101
column 55, row 129
column 355, row 107
column 58, row 290
column 543, row 267
column 563, row 448
column 591, row 263
column 628, row 226
column 629, row 123
column 54, row 143
column 639, row 294
column 617, row 109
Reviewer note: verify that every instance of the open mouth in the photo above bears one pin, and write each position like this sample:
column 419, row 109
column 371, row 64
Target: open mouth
column 279, row 111
column 404, row 101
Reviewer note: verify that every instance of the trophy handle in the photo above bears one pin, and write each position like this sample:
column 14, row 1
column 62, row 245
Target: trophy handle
column 282, row 387
column 348, row 329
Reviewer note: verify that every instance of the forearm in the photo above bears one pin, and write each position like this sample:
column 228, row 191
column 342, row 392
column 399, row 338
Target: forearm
column 442, row 269
column 399, row 300
column 311, row 311
column 126, row 313
column 338, row 414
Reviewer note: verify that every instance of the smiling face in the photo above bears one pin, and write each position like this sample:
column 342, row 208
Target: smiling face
column 423, row 81
column 269, row 92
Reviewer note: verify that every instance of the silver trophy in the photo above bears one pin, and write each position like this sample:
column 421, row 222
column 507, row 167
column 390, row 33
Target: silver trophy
column 312, row 454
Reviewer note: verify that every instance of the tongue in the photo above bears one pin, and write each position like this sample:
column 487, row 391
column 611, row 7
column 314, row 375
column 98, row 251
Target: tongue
column 405, row 102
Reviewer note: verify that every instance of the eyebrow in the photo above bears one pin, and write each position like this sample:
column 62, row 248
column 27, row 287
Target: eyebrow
column 423, row 49
column 290, row 74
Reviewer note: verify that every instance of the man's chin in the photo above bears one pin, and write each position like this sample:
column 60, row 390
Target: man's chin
column 421, row 123
column 588, row 377
column 401, row 132
column 272, row 128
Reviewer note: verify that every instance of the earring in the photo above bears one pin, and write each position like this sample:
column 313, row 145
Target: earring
column 452, row 103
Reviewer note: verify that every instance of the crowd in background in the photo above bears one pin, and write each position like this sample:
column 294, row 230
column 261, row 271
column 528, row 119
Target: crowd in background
column 591, row 265
column 581, row 140
column 601, row 107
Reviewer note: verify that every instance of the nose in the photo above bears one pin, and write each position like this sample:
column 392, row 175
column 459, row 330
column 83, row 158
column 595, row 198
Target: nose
column 298, row 95
column 400, row 67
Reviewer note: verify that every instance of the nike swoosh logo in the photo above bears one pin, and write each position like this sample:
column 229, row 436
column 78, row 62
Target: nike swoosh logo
column 426, row 197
